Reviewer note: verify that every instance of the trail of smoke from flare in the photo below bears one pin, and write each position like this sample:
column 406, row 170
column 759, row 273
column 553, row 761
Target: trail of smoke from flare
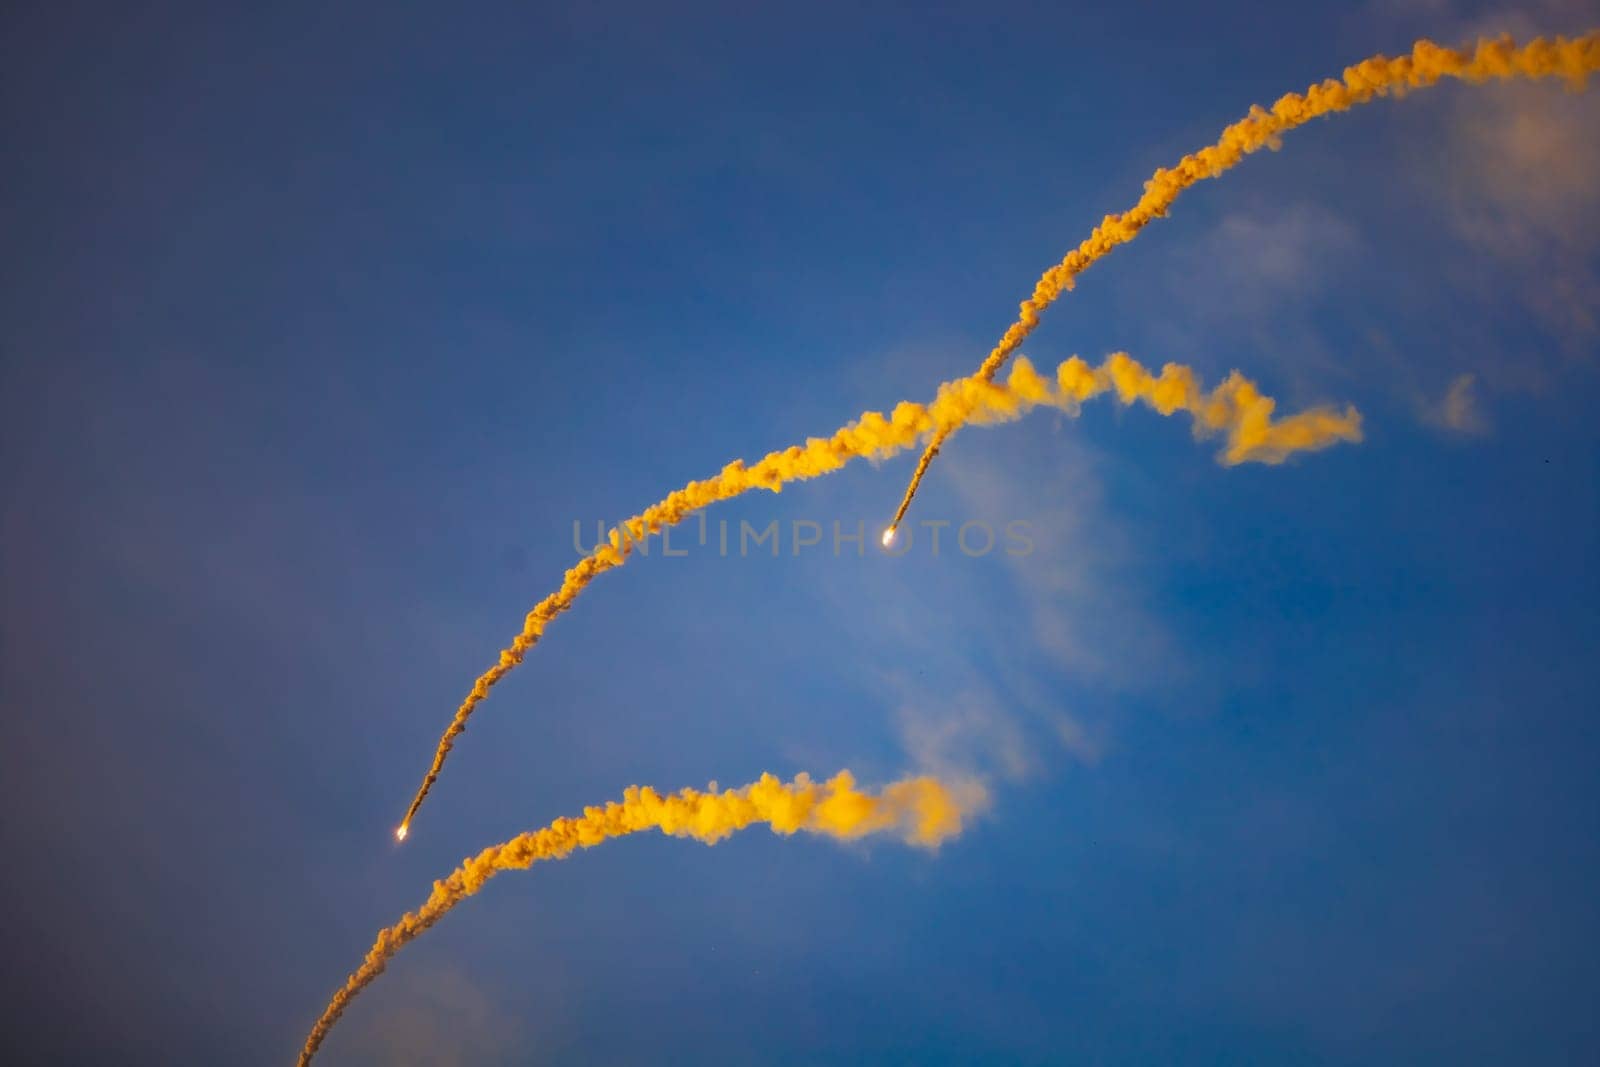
column 1572, row 59
column 1236, row 408
column 923, row 811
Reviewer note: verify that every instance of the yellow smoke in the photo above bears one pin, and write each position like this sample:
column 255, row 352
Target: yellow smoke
column 922, row 811
column 1571, row 59
column 1235, row 409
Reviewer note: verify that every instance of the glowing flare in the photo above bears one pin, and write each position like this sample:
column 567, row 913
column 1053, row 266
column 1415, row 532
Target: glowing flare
column 1570, row 59
column 888, row 537
column 1236, row 409
column 401, row 831
column 921, row 811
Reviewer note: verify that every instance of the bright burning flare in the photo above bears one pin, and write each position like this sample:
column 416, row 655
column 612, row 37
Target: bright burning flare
column 400, row 832
column 888, row 537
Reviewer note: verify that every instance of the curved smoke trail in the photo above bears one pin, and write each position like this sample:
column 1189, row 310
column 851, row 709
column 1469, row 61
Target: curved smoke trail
column 1572, row 59
column 1235, row 409
column 922, row 811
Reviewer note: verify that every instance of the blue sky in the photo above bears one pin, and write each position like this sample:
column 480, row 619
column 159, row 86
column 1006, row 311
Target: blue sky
column 320, row 329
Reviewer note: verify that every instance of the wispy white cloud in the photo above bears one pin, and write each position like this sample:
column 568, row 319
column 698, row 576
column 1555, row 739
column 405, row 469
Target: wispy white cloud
column 1079, row 587
column 1515, row 170
column 1458, row 410
column 1253, row 261
column 1017, row 657
column 1523, row 177
column 965, row 734
column 436, row 1017
column 1250, row 285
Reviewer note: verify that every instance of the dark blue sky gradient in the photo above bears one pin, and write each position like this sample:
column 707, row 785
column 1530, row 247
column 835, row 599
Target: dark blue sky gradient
column 319, row 329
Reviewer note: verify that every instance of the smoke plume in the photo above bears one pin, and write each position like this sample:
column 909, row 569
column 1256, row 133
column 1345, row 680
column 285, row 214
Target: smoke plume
column 921, row 811
column 1571, row 59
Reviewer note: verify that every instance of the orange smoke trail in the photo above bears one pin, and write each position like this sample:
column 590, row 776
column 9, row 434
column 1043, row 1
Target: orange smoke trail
column 922, row 811
column 1235, row 408
column 1572, row 59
